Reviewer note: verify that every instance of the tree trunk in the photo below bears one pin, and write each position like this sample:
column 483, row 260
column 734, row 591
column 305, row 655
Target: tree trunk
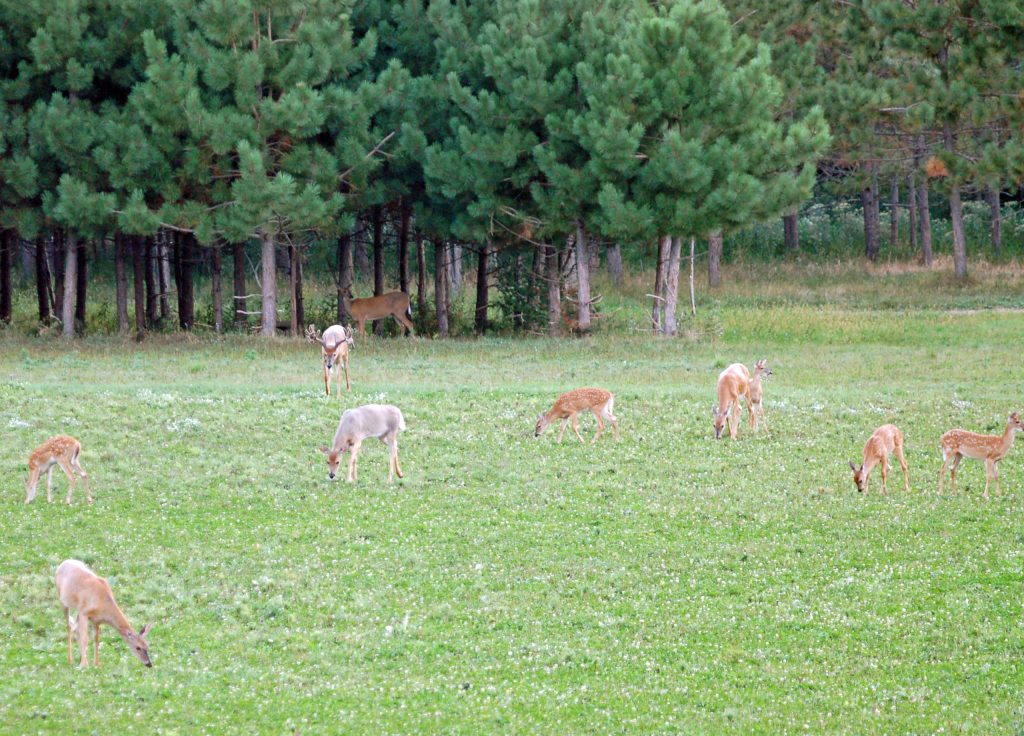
column 238, row 256
column 440, row 288
column 956, row 214
column 670, row 326
column 869, row 205
column 790, row 232
column 7, row 240
column 152, row 315
column 421, row 280
column 82, row 277
column 139, row 284
column 59, row 261
column 554, row 277
column 715, row 247
column 456, row 277
column 218, row 302
column 480, row 321
column 70, row 286
column 912, row 212
column 121, row 282
column 693, row 260
column 894, row 213
column 362, row 258
column 403, row 249
column 344, row 276
column 298, row 312
column 378, row 251
column 992, row 197
column 658, row 310
column 615, row 264
column 268, row 260
column 42, row 280
column 923, row 210
column 583, row 277
column 163, row 264
column 184, row 253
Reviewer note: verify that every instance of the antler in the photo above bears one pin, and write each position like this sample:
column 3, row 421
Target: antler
column 314, row 334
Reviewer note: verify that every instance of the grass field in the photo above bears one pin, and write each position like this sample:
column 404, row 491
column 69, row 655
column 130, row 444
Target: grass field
column 665, row 583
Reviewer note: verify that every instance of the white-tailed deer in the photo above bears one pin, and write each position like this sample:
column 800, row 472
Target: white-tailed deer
column 60, row 450
column 883, row 441
column 393, row 304
column 334, row 348
column 80, row 588
column 382, row 421
column 957, row 444
column 733, row 383
column 755, row 394
column 568, row 405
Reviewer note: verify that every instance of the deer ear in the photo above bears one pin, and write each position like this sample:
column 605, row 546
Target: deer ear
column 145, row 630
column 1015, row 416
column 324, row 450
column 853, row 467
column 714, row 411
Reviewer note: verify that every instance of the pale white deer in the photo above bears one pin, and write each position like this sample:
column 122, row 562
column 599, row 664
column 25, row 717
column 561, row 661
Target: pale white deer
column 80, row 588
column 334, row 343
column 382, row 421
column 880, row 445
column 755, row 394
column 733, row 383
column 393, row 304
column 63, row 451
column 957, row 444
column 568, row 405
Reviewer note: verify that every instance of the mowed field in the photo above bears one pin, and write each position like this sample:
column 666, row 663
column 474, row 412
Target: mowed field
column 663, row 583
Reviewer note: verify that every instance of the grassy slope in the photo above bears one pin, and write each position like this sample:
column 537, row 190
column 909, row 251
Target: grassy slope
column 663, row 583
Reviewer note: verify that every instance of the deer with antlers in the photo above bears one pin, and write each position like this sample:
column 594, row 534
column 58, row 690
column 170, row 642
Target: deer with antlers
column 957, row 444
column 393, row 304
column 733, row 383
column 755, row 394
column 568, row 405
column 880, row 445
column 334, row 343
column 80, row 588
column 63, row 451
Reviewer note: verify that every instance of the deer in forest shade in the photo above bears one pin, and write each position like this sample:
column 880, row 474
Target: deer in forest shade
column 80, row 588
column 733, row 383
column 393, row 304
column 382, row 421
column 61, row 450
column 956, row 444
column 880, row 445
column 335, row 343
column 755, row 394
column 568, row 405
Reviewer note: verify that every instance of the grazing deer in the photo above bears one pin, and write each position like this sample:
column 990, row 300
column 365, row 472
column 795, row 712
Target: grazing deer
column 957, row 444
column 882, row 442
column 382, row 421
column 334, row 348
column 80, row 588
column 60, row 450
column 568, row 405
column 755, row 394
column 393, row 304
column 733, row 383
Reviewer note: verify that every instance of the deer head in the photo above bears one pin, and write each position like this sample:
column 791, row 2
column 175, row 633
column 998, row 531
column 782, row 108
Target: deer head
column 542, row 424
column 137, row 643
column 858, row 476
column 720, row 418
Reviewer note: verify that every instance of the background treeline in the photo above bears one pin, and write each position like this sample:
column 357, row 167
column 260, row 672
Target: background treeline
column 518, row 142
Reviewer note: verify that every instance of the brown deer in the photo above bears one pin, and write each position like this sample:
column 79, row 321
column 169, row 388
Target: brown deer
column 755, row 394
column 733, row 383
column 957, row 444
column 334, row 348
column 61, row 450
column 883, row 442
column 80, row 588
column 382, row 421
column 393, row 304
column 597, row 400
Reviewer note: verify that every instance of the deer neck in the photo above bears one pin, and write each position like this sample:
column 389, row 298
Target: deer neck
column 1006, row 441
column 113, row 616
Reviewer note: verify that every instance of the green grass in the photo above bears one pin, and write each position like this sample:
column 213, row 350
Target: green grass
column 664, row 583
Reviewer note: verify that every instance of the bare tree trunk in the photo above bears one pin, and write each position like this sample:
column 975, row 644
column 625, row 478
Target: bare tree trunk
column 869, row 205
column 716, row 246
column 378, row 251
column 298, row 316
column 421, row 280
column 441, row 287
column 456, row 267
column 480, row 321
column 163, row 264
column 70, row 286
column 790, row 233
column 614, row 253
column 184, row 253
column 218, row 301
column 42, row 280
column 554, row 279
column 82, row 278
column 344, row 275
column 670, row 326
column 152, row 316
column 912, row 212
column 923, row 209
column 658, row 310
column 268, row 260
column 121, row 281
column 362, row 258
column 956, row 214
column 59, row 261
column 992, row 197
column 583, row 277
column 693, row 260
column 139, row 284
column 238, row 256
column 403, row 249
column 7, row 240
column 894, row 212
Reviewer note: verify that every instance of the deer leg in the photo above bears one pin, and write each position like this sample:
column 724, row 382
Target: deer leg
column 903, row 467
column 988, row 474
column 764, row 419
column 85, row 476
column 327, row 380
column 67, row 620
column 394, row 453
column 885, row 475
column 347, row 386
column 33, row 481
column 734, row 419
column 561, row 431
column 49, row 484
column 71, row 478
column 600, row 426
column 576, row 428
column 995, row 468
column 952, row 471
column 83, row 639
column 96, row 643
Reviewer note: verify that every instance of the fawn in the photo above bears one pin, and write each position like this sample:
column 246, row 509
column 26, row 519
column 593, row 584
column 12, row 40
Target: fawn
column 957, row 444
column 334, row 348
column 80, row 588
column 568, row 405
column 382, row 421
column 882, row 442
column 61, row 450
column 755, row 394
column 733, row 383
